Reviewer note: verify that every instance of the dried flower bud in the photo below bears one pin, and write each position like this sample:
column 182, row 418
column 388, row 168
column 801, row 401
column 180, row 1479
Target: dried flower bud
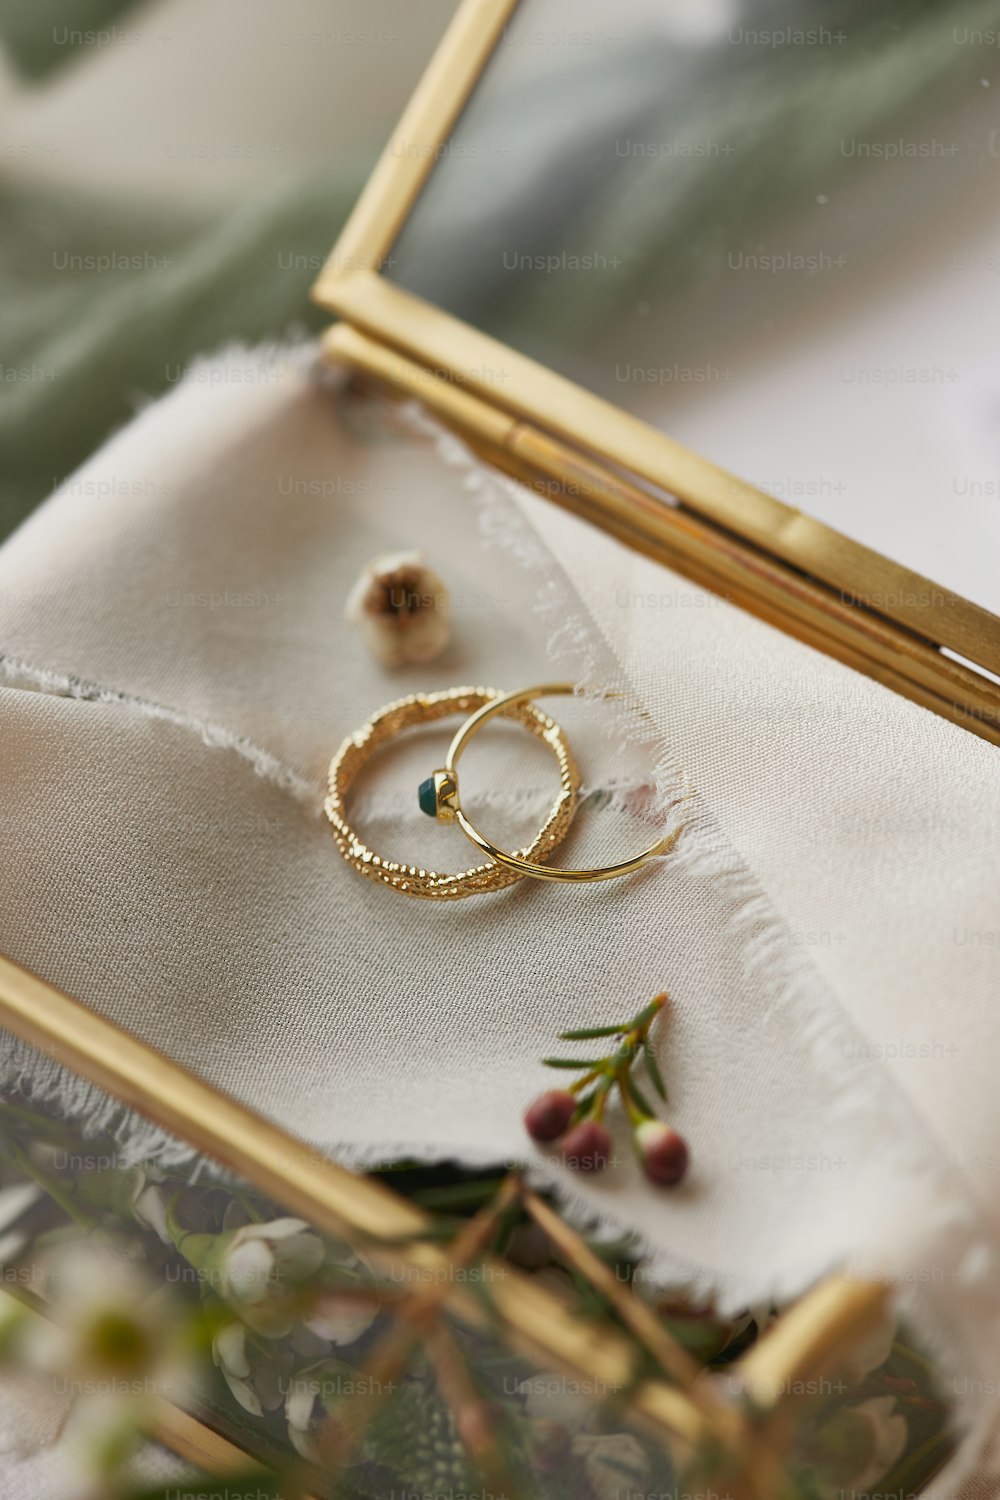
column 587, row 1147
column 549, row 1116
column 402, row 608
column 662, row 1151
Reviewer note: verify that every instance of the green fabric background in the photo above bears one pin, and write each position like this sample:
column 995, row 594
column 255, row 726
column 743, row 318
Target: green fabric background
column 40, row 35
column 83, row 348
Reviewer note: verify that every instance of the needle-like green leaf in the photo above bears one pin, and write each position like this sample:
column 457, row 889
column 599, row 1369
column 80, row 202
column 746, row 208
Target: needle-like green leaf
column 640, row 1098
column 646, row 1014
column 588, row 1033
column 577, row 1065
column 653, row 1069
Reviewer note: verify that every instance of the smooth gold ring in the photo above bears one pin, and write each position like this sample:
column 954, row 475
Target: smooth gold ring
column 425, row 708
column 448, row 807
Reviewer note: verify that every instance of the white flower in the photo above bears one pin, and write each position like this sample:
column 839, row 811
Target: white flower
column 230, row 1355
column 110, row 1343
column 105, row 1319
column 333, row 1389
column 872, row 1350
column 866, row 1441
column 260, row 1264
column 341, row 1313
column 551, row 1399
column 150, row 1208
column 299, row 1405
column 258, row 1256
column 890, row 1432
column 614, row 1463
column 256, row 1383
column 15, row 1202
column 402, row 609
column 340, row 1319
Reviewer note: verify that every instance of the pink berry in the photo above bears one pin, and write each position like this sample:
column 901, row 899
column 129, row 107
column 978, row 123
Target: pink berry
column 662, row 1151
column 587, row 1148
column 549, row 1116
column 550, row 1446
column 475, row 1427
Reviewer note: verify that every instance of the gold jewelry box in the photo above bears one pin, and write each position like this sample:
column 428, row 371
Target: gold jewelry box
column 651, row 492
column 918, row 637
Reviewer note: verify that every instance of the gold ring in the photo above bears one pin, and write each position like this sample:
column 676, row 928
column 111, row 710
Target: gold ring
column 425, row 708
column 447, row 805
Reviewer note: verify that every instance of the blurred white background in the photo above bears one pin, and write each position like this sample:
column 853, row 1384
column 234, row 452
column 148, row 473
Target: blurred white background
column 197, row 108
column 204, row 99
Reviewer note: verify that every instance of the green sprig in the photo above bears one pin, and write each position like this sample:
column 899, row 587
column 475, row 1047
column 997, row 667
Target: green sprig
column 616, row 1069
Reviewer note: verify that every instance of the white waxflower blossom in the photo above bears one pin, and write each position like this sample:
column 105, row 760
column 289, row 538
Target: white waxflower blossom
column 334, row 1389
column 150, row 1208
column 111, row 1324
column 258, row 1381
column 402, row 609
column 257, row 1254
column 260, row 1264
column 229, row 1353
column 872, row 1349
column 614, row 1463
column 15, row 1201
column 342, row 1313
column 339, row 1319
column 549, row 1398
column 874, row 1436
column 109, row 1345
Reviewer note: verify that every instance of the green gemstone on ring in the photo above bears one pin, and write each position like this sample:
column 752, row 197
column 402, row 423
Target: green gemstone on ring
column 427, row 797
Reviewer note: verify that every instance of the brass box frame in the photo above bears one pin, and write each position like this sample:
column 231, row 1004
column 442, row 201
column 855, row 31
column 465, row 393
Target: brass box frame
column 772, row 559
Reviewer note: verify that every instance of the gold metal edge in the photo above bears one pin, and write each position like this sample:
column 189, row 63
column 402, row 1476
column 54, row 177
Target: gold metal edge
column 197, row 1443
column 688, row 544
column 357, row 1209
column 805, row 1343
column 519, row 387
column 409, row 156
column 335, row 1200
column 349, row 285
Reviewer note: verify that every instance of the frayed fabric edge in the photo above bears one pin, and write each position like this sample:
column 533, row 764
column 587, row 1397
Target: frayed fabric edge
column 51, row 1087
column 23, row 675
column 29, row 1076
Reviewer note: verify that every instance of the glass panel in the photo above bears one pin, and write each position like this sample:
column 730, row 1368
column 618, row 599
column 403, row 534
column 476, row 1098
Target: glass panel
column 136, row 1274
column 772, row 230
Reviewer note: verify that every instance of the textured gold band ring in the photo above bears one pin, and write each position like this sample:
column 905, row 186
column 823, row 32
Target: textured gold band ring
column 426, row 708
column 448, row 805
